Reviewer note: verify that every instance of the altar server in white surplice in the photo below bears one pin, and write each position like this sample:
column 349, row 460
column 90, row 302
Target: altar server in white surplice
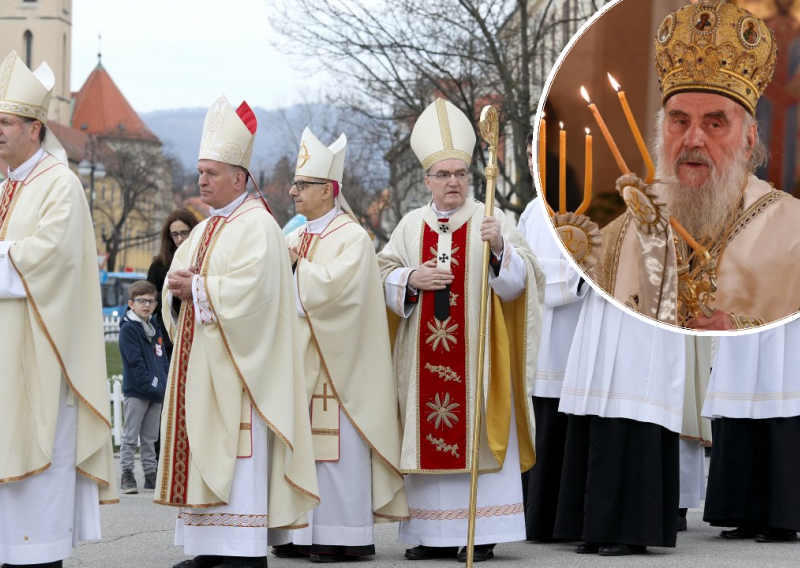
column 432, row 268
column 624, row 393
column 563, row 299
column 56, row 459
column 348, row 363
column 754, row 402
column 236, row 452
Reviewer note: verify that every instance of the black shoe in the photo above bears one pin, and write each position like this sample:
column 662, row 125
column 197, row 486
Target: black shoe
column 242, row 562
column 587, row 548
column 621, row 550
column 482, row 552
column 326, row 558
column 199, row 562
column 776, row 535
column 682, row 524
column 150, row 480
column 56, row 564
column 740, row 533
column 430, row 552
column 288, row 551
column 127, row 483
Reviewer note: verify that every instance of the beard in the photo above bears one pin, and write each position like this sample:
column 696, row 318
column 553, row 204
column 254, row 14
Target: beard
column 705, row 210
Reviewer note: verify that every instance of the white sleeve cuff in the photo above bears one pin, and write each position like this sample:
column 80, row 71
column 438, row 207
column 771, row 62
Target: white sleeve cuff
column 202, row 307
column 395, row 289
column 510, row 282
column 10, row 283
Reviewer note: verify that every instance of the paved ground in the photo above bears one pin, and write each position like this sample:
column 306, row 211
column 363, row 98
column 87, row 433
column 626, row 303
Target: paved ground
column 138, row 533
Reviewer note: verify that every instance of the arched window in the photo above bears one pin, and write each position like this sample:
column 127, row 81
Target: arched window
column 28, row 39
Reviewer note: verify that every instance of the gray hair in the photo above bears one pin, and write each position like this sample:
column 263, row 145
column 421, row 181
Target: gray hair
column 759, row 153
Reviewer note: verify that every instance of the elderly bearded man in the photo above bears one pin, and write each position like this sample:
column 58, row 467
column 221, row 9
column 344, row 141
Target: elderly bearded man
column 348, row 363
column 432, row 276
column 708, row 140
column 56, row 459
column 236, row 442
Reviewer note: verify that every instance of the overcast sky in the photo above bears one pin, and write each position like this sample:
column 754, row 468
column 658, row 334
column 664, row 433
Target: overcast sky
column 166, row 54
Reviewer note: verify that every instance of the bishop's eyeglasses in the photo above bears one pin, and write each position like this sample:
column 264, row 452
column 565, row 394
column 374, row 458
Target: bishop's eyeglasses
column 300, row 185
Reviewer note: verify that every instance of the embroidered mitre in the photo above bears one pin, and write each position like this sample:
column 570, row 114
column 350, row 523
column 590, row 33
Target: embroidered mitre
column 228, row 135
column 442, row 132
column 717, row 48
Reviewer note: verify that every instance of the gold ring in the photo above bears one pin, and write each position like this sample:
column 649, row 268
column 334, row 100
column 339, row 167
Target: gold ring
column 435, row 282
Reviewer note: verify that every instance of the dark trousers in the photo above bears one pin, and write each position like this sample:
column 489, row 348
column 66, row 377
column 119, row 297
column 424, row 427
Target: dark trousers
column 541, row 483
column 753, row 478
column 620, row 483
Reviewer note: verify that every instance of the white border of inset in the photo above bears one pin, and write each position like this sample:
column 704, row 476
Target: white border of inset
column 537, row 184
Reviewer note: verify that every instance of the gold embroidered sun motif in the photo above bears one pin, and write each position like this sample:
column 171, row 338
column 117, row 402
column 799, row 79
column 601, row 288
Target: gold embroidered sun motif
column 442, row 411
column 442, row 334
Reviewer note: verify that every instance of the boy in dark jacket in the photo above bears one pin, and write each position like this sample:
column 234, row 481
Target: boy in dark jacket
column 145, row 367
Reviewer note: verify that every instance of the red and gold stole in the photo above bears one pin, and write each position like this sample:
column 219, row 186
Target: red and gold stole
column 442, row 375
column 11, row 190
column 176, row 447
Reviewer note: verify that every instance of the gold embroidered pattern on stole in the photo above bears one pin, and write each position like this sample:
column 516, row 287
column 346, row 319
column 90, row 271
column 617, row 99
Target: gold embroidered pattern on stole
column 444, row 372
column 443, row 411
column 442, row 333
column 324, row 432
column 10, row 191
column 442, row 446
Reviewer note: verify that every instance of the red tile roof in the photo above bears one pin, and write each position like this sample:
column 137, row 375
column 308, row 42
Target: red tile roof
column 105, row 111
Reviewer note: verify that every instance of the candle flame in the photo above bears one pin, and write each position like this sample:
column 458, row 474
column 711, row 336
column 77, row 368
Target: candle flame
column 561, row 124
column 614, row 83
column 585, row 95
column 587, row 131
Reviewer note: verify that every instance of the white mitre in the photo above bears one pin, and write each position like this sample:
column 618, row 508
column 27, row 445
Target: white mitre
column 228, row 134
column 442, row 132
column 27, row 94
column 317, row 160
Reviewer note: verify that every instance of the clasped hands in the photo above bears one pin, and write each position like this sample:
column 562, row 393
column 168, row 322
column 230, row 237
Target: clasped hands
column 719, row 321
column 180, row 283
column 428, row 276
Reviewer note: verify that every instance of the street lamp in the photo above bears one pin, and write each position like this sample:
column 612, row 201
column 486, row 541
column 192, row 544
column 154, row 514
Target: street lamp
column 89, row 167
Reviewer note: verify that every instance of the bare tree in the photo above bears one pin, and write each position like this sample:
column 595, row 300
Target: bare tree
column 391, row 57
column 127, row 209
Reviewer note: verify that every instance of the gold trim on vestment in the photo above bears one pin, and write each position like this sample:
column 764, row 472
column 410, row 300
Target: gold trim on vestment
column 324, row 432
column 110, row 502
column 324, row 367
column 223, row 520
column 460, row 514
column 444, row 124
column 25, row 475
column 92, row 477
column 452, row 154
column 187, row 505
column 52, row 343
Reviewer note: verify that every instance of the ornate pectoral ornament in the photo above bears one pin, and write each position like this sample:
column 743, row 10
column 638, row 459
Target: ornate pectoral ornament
column 581, row 237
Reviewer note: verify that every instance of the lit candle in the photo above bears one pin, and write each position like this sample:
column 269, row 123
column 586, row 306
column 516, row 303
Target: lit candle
column 651, row 170
column 686, row 236
column 542, row 155
column 587, row 180
column 606, row 134
column 562, row 170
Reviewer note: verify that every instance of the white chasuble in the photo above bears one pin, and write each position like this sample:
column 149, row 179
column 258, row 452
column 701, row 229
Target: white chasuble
column 756, row 375
column 54, row 331
column 622, row 367
column 435, row 359
column 347, row 361
column 245, row 353
column 759, row 269
column 562, row 301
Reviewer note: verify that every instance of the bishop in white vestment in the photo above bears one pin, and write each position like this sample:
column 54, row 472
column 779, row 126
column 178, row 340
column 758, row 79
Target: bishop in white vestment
column 431, row 269
column 355, row 421
column 55, row 442
column 236, row 453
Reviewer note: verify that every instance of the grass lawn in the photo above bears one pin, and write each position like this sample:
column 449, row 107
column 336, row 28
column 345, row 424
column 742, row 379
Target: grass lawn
column 113, row 359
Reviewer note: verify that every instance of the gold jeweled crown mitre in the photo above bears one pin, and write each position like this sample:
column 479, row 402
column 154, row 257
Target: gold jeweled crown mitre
column 717, row 48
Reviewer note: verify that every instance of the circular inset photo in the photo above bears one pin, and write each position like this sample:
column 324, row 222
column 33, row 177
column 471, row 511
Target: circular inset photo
column 685, row 174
